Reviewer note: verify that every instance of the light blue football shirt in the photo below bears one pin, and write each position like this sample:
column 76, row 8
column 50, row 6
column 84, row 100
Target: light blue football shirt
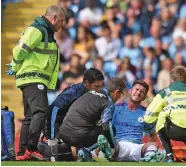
column 130, row 125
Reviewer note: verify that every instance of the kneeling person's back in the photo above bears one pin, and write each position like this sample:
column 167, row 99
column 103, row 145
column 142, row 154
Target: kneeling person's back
column 84, row 114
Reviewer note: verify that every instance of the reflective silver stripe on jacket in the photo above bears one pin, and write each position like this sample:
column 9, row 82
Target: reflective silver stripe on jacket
column 24, row 46
column 153, row 114
column 37, row 50
column 170, row 99
column 169, row 95
column 179, row 99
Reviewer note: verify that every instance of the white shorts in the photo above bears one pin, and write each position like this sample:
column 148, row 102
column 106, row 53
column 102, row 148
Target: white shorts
column 129, row 151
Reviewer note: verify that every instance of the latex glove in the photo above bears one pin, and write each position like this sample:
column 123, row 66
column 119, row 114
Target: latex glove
column 11, row 71
column 52, row 142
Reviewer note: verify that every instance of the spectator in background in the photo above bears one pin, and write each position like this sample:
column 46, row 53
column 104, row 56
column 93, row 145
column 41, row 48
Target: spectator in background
column 90, row 13
column 132, row 52
column 182, row 13
column 174, row 7
column 98, row 63
column 151, row 93
column 114, row 23
column 110, row 18
column 156, row 21
column 148, row 77
column 167, row 21
column 159, row 5
column 65, row 4
column 127, row 46
column 180, row 29
column 76, row 70
column 120, row 3
column 84, row 44
column 151, row 60
column 154, row 32
column 178, row 45
column 136, row 5
column 76, row 6
column 65, row 44
column 118, row 12
column 161, row 53
column 70, row 21
column 126, row 73
column 146, row 17
column 132, row 24
column 108, row 49
column 178, row 60
column 136, row 40
column 147, row 72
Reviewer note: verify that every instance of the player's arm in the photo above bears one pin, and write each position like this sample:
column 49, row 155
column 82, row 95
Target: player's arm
column 106, row 119
column 63, row 99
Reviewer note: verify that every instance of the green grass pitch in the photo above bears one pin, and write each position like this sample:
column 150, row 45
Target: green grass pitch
column 101, row 162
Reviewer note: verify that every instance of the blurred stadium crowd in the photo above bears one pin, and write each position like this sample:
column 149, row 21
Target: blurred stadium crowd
column 130, row 39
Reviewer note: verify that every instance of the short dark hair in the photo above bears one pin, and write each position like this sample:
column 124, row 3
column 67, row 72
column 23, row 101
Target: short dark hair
column 91, row 75
column 151, row 50
column 142, row 83
column 105, row 25
column 115, row 84
column 75, row 55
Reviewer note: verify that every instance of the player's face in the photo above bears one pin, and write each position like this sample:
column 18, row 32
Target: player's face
column 97, row 85
column 137, row 93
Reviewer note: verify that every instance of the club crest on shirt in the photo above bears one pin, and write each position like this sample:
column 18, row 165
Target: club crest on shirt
column 140, row 119
column 40, row 86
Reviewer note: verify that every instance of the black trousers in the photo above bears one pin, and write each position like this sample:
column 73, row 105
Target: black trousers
column 84, row 141
column 173, row 132
column 35, row 109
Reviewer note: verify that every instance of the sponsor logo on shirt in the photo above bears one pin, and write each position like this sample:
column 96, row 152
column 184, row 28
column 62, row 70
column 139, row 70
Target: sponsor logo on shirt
column 128, row 125
column 96, row 93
